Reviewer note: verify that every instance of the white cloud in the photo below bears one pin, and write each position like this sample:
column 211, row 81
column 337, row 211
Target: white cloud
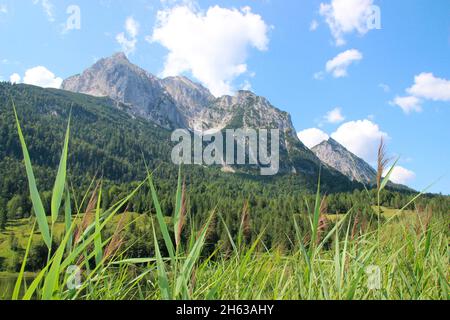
column 314, row 25
column 15, row 78
column 132, row 27
column 128, row 39
column 402, row 175
column 42, row 77
column 48, row 8
column 312, row 137
column 334, row 116
column 407, row 104
column 427, row 86
column 339, row 64
column 360, row 137
column 212, row 45
column 346, row 16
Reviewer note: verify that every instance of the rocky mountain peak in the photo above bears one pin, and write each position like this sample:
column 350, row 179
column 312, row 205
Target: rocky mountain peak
column 189, row 95
column 338, row 157
column 116, row 77
column 333, row 142
column 119, row 56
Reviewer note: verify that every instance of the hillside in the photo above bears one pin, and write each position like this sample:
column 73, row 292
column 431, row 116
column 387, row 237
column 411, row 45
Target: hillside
column 109, row 143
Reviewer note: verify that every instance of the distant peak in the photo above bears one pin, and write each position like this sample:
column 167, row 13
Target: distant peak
column 334, row 142
column 119, row 56
column 182, row 79
column 245, row 93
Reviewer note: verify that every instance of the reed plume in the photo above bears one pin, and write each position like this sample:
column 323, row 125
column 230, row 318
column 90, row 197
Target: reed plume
column 382, row 162
column 117, row 239
column 88, row 215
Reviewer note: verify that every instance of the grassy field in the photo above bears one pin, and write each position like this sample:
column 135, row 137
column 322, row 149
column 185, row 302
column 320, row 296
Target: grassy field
column 410, row 253
column 20, row 228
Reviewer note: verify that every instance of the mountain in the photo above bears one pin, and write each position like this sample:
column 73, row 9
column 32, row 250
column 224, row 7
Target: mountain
column 175, row 102
column 115, row 77
column 107, row 141
column 338, row 157
column 191, row 98
column 178, row 102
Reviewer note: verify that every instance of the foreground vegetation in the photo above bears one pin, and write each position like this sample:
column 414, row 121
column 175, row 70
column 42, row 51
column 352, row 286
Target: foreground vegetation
column 87, row 256
column 412, row 256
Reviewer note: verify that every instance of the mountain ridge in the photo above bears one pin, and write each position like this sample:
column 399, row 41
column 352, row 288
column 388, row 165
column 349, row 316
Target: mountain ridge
column 338, row 157
column 172, row 102
column 107, row 140
column 178, row 102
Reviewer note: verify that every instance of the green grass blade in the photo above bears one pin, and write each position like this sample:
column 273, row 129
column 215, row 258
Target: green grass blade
column 98, row 239
column 177, row 213
column 34, row 193
column 316, row 217
column 302, row 247
column 58, row 189
column 192, row 258
column 68, row 219
column 163, row 281
column 230, row 238
column 51, row 282
column 388, row 176
column 16, row 291
column 161, row 221
column 36, row 282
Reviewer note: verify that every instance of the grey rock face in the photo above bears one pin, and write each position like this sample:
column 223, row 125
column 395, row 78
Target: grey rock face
column 245, row 110
column 117, row 78
column 191, row 98
column 186, row 93
column 175, row 102
column 336, row 156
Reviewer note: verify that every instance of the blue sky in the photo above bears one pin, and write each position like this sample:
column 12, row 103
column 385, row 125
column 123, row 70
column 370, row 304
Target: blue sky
column 317, row 60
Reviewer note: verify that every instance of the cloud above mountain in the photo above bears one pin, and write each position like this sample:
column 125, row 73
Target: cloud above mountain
column 429, row 87
column 346, row 16
column 426, row 87
column 213, row 45
column 42, row 77
column 15, row 78
column 402, row 175
column 407, row 104
column 312, row 137
column 360, row 137
column 128, row 39
column 338, row 65
column 334, row 116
